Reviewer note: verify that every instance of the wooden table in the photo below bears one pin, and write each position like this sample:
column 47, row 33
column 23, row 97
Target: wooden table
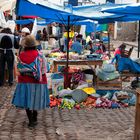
column 94, row 63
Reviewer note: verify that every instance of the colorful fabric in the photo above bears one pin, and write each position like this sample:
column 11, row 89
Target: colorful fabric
column 34, row 68
column 89, row 90
column 78, row 76
column 27, row 58
column 71, row 34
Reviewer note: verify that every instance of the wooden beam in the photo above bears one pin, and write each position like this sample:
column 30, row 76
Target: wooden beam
column 137, row 116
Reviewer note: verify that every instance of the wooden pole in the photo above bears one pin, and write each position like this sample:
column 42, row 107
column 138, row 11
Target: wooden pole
column 137, row 116
column 137, row 112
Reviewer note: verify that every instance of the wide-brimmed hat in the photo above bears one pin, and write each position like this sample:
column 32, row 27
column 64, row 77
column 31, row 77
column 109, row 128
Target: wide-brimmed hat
column 30, row 41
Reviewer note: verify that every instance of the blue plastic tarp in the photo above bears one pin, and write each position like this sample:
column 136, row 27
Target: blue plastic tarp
column 127, row 64
column 131, row 12
column 55, row 12
column 129, row 9
column 90, row 25
column 46, row 11
column 25, row 21
column 28, row 21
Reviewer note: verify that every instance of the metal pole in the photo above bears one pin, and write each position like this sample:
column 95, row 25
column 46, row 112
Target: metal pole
column 95, row 26
column 139, row 41
column 67, row 64
column 108, row 42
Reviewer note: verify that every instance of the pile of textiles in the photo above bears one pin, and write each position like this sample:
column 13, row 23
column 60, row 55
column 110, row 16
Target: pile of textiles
column 89, row 98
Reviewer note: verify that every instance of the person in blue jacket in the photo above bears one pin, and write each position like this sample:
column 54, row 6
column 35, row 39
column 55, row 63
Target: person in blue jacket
column 77, row 46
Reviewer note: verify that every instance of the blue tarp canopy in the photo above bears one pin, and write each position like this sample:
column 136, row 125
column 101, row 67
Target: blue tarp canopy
column 129, row 9
column 44, row 10
column 28, row 21
column 48, row 10
column 131, row 12
column 90, row 25
column 25, row 21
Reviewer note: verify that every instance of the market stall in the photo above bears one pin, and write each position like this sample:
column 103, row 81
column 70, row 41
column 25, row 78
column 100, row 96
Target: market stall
column 84, row 94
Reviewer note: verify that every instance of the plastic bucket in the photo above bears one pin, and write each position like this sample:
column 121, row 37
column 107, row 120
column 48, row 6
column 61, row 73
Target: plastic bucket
column 49, row 80
column 57, row 83
column 44, row 44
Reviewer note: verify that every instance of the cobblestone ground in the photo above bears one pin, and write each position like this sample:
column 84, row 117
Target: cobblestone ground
column 54, row 124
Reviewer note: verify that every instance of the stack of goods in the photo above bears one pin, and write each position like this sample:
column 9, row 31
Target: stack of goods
column 108, row 78
column 107, row 72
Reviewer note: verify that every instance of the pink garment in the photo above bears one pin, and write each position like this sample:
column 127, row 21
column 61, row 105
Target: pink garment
column 117, row 51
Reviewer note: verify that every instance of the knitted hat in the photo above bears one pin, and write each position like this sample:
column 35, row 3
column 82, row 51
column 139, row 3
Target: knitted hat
column 30, row 41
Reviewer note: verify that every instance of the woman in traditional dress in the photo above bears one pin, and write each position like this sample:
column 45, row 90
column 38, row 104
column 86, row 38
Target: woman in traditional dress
column 31, row 91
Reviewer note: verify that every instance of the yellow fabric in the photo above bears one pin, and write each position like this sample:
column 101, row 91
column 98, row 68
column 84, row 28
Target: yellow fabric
column 89, row 90
column 71, row 34
column 88, row 39
column 56, row 54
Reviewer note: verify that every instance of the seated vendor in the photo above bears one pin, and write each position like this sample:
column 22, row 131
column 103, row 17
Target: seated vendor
column 90, row 47
column 98, row 49
column 125, row 63
column 102, row 45
column 118, row 51
column 77, row 46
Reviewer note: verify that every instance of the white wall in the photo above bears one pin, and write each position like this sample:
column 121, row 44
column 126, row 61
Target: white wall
column 125, row 1
column 99, row 1
column 59, row 2
column 116, row 1
column 104, row 1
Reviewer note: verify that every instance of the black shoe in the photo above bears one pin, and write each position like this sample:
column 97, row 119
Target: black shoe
column 35, row 117
column 35, row 123
column 30, row 118
column 10, row 84
column 31, row 125
column 1, row 85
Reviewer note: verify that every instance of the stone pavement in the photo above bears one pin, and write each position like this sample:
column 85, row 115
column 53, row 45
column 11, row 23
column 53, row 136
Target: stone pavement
column 54, row 124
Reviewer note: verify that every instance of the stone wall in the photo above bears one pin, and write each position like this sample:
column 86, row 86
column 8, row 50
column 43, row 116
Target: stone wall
column 126, row 31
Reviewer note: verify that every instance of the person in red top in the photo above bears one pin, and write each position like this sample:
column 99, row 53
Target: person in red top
column 31, row 91
column 118, row 52
column 119, row 49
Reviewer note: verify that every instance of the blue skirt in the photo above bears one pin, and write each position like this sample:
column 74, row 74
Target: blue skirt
column 31, row 96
